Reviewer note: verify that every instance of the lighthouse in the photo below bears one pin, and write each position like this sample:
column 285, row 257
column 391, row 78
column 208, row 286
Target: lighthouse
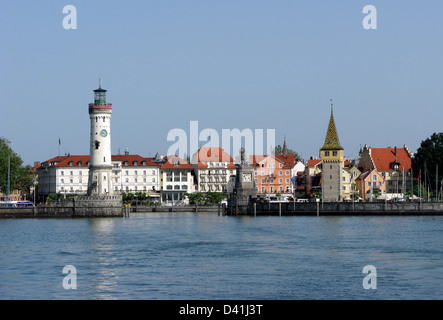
column 100, row 165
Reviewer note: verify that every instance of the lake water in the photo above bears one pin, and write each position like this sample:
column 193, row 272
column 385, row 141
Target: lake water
column 191, row 256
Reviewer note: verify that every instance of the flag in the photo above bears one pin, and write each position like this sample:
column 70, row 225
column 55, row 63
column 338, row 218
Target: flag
column 59, row 142
column 419, row 174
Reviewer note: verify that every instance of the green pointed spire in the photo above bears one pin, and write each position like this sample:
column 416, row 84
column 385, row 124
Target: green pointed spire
column 331, row 141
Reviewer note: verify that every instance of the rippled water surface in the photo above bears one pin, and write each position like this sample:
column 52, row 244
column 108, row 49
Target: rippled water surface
column 206, row 256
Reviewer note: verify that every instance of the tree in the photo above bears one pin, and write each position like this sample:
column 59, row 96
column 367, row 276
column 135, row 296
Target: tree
column 279, row 150
column 428, row 156
column 26, row 179
column 214, row 197
column 9, row 157
column 375, row 193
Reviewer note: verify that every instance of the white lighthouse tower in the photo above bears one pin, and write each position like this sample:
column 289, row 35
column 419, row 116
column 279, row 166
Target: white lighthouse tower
column 100, row 166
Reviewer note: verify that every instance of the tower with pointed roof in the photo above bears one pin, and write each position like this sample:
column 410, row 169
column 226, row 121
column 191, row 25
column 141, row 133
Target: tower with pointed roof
column 332, row 164
column 285, row 147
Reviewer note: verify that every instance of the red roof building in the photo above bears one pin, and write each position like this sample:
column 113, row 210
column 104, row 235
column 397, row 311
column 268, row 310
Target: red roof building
column 213, row 168
column 394, row 164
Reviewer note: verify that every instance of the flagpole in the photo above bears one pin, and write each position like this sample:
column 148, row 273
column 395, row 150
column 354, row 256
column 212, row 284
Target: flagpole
column 7, row 186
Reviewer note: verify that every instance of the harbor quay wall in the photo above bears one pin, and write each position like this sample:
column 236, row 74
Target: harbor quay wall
column 76, row 207
column 348, row 208
column 98, row 208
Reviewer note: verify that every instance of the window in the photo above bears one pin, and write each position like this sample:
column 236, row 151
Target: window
column 262, row 173
column 334, row 153
column 127, row 172
column 79, row 173
column 287, row 172
column 184, row 187
column 326, row 153
column 280, row 180
column 62, row 173
column 374, row 177
column 287, row 180
column 144, row 172
column 135, row 172
column 369, row 184
column 280, row 173
column 262, row 180
column 280, row 165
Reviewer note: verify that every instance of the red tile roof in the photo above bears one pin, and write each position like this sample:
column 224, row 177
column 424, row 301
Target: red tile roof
column 384, row 158
column 212, row 154
column 172, row 164
column 288, row 160
column 82, row 160
column 313, row 163
column 131, row 159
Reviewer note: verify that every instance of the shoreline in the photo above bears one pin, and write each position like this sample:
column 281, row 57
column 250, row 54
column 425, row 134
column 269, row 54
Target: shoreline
column 256, row 209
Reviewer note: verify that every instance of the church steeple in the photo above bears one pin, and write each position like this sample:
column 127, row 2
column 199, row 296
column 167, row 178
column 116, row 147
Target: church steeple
column 331, row 141
column 285, row 147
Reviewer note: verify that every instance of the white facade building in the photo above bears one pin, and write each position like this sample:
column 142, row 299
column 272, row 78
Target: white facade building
column 213, row 168
column 70, row 175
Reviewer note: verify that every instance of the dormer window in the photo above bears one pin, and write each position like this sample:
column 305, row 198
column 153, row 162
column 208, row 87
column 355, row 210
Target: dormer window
column 135, row 163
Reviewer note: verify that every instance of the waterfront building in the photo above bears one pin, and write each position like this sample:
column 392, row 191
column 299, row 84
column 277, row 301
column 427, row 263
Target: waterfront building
column 213, row 168
column 394, row 164
column 134, row 173
column 273, row 173
column 70, row 175
column 369, row 181
column 100, row 164
column 332, row 158
column 175, row 179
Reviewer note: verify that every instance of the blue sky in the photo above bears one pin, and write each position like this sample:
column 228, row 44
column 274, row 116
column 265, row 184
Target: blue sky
column 227, row 64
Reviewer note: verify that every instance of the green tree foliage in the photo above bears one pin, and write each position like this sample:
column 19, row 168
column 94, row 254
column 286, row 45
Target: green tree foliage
column 279, row 150
column 26, row 178
column 6, row 154
column 375, row 193
column 428, row 156
column 206, row 197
